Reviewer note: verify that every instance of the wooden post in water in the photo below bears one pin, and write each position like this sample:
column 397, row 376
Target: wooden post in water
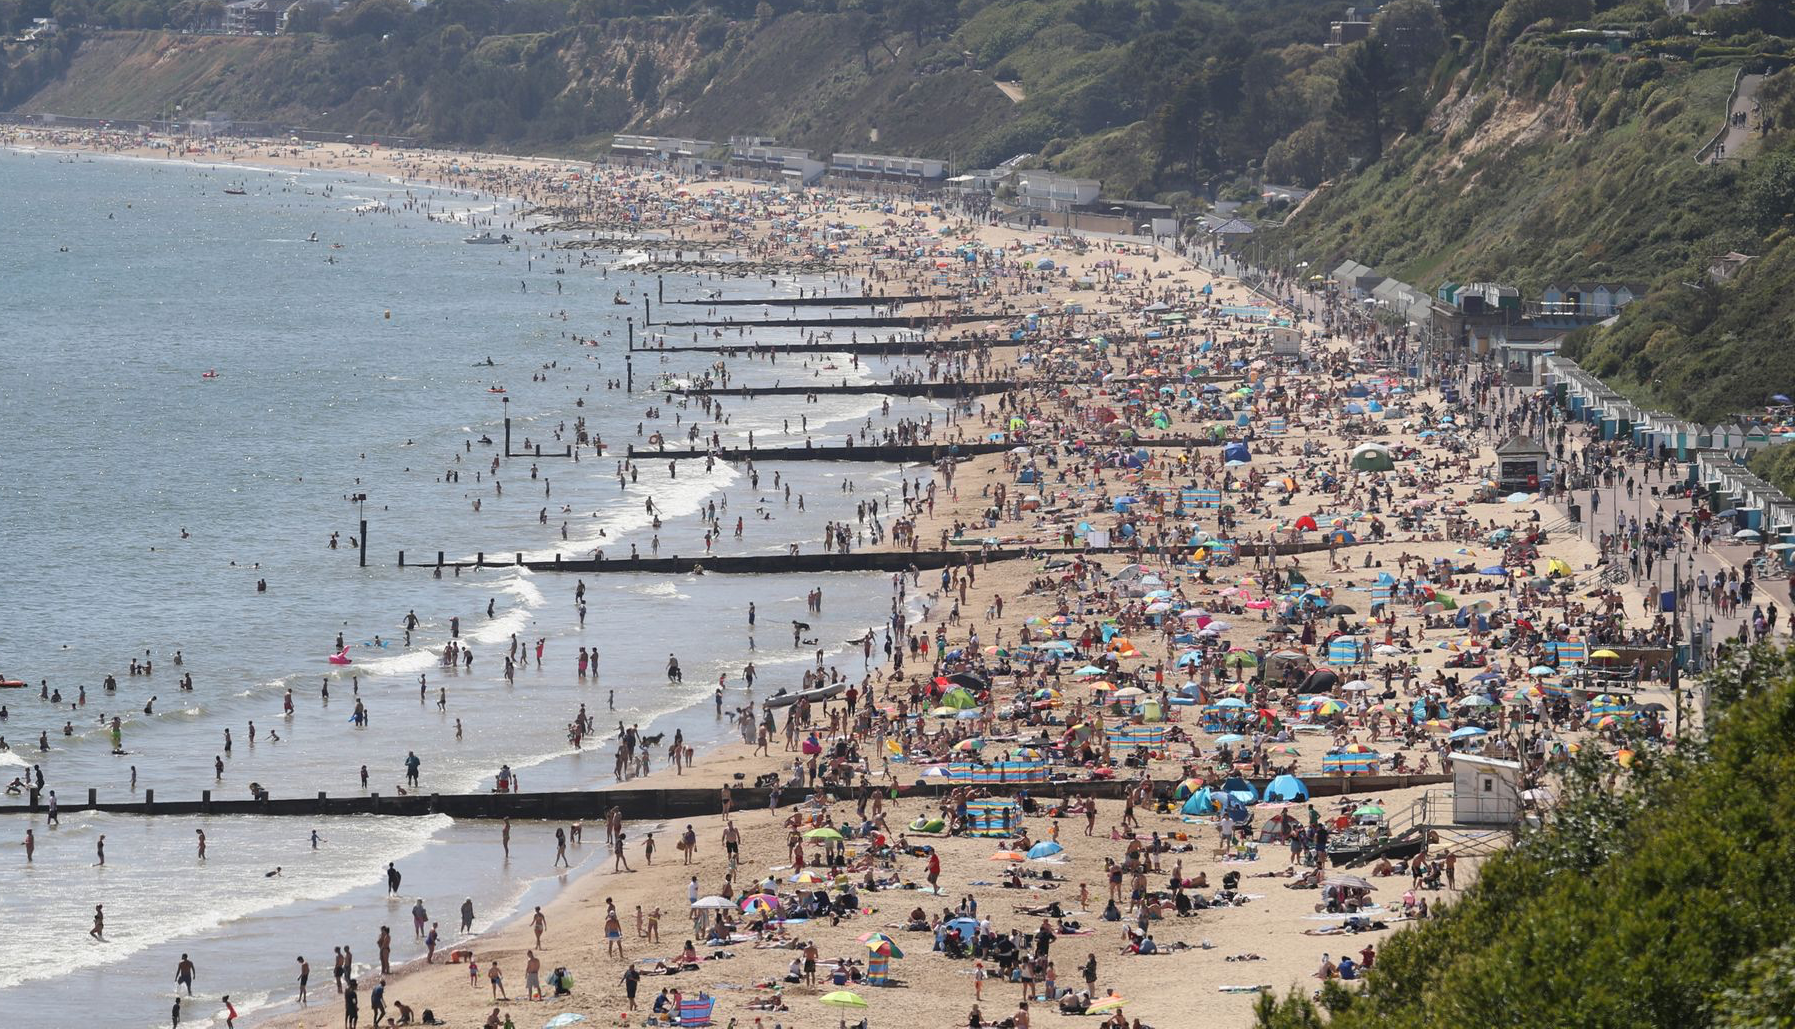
column 93, row 797
column 149, row 801
column 629, row 325
column 401, row 559
column 205, row 801
column 362, row 557
column 660, row 285
column 507, row 408
column 646, row 321
column 629, row 374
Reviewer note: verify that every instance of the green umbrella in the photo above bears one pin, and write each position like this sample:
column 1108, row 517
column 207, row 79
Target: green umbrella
column 824, row 833
column 843, row 999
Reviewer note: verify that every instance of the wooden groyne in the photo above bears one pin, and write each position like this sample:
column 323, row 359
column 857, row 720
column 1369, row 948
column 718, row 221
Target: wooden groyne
column 889, row 347
column 970, row 551
column 859, row 321
column 935, row 390
column 742, row 564
column 842, row 301
column 890, row 453
column 636, row 804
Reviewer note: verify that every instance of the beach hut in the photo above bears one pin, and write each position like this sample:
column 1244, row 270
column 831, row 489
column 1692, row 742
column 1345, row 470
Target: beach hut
column 1286, row 789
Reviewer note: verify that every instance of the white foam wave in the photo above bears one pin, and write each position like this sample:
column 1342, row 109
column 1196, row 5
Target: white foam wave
column 185, row 914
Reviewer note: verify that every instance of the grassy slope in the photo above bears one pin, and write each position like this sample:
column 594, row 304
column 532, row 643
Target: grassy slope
column 1558, row 199
column 130, row 74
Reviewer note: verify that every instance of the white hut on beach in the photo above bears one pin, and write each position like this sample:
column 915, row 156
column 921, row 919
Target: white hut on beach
column 1485, row 790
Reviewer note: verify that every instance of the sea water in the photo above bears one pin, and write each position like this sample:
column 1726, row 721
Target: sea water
column 140, row 504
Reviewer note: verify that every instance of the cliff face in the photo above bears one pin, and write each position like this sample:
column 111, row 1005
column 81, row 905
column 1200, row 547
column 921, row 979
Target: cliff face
column 802, row 78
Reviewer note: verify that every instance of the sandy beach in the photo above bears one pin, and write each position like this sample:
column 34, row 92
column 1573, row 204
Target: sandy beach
column 1169, row 633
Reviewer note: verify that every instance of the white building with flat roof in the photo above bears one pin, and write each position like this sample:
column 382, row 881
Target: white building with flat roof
column 888, row 167
column 757, row 158
column 1042, row 190
column 664, row 147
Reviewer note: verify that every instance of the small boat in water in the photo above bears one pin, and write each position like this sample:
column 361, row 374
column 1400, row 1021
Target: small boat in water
column 495, row 389
column 236, row 191
column 486, row 237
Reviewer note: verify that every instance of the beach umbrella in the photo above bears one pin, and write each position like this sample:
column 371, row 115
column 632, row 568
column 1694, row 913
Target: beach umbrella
column 1370, row 811
column 964, row 926
column 1467, row 732
column 713, row 903
column 1008, row 855
column 765, row 901
column 1605, row 655
column 823, row 833
column 1089, row 670
column 1386, row 650
column 1241, row 659
column 1356, row 686
column 843, row 999
column 1541, row 670
column 885, row 948
column 565, row 1018
column 1044, row 849
column 805, row 878
column 1131, row 693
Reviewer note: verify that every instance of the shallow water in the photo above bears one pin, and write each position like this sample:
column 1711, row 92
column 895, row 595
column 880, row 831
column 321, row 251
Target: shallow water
column 119, row 446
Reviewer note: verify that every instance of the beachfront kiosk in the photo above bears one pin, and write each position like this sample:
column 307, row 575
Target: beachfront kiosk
column 1485, row 790
column 1521, row 465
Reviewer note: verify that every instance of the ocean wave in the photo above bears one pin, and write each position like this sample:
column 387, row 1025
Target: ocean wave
column 40, row 949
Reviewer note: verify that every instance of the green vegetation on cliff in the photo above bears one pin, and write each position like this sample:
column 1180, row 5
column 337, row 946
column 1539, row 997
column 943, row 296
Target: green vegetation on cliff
column 1663, row 895
column 1187, row 94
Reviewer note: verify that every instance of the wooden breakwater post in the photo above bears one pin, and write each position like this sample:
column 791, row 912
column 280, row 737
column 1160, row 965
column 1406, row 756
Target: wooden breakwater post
column 362, row 557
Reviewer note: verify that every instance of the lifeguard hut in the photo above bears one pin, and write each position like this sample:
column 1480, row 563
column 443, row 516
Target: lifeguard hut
column 1485, row 790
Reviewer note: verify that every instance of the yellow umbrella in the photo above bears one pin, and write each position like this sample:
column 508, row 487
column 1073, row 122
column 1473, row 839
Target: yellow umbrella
column 1606, row 655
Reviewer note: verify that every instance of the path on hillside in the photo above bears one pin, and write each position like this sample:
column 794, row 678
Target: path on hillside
column 1732, row 142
